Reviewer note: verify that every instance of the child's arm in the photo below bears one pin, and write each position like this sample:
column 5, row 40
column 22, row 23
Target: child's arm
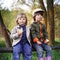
column 45, row 35
column 45, row 32
column 33, row 34
column 15, row 33
column 38, row 42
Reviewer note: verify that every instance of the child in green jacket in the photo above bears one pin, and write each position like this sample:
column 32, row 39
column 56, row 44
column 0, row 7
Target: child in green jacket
column 39, row 35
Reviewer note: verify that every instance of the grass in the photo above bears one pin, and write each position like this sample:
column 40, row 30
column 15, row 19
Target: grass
column 56, row 55
column 8, row 56
column 2, row 43
column 5, row 56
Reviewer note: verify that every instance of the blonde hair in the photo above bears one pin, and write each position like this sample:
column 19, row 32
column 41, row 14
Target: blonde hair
column 20, row 16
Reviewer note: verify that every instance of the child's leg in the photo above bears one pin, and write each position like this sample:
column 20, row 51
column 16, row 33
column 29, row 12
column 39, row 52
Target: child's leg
column 27, row 52
column 39, row 50
column 48, row 50
column 16, row 52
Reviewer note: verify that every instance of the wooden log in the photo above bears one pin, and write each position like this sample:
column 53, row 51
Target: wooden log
column 10, row 50
column 6, row 50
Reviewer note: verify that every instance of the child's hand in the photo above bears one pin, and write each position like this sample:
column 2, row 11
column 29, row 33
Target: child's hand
column 19, row 31
column 46, row 41
column 38, row 42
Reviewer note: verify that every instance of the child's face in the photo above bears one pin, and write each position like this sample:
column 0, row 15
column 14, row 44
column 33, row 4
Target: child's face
column 22, row 21
column 38, row 17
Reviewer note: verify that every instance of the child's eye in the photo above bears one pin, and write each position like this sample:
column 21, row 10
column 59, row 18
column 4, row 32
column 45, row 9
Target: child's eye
column 24, row 18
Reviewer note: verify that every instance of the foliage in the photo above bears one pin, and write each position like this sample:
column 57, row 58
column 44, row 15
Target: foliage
column 2, row 43
column 7, row 17
column 8, row 56
column 5, row 56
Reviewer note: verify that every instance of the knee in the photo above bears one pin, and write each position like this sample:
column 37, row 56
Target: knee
column 40, row 50
column 50, row 49
column 28, row 53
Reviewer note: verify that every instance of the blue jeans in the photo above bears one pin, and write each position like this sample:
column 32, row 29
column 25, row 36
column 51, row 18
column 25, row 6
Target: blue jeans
column 24, row 49
column 40, row 49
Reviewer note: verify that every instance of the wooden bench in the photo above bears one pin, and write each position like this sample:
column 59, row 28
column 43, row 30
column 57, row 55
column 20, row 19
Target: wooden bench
column 10, row 50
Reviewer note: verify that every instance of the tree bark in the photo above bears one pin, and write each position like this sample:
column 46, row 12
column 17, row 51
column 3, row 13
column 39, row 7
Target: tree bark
column 50, row 19
column 4, row 32
column 45, row 12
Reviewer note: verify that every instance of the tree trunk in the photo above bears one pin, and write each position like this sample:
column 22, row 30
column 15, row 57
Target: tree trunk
column 50, row 19
column 4, row 32
column 45, row 13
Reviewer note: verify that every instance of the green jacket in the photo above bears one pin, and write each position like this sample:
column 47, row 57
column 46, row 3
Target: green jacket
column 35, row 31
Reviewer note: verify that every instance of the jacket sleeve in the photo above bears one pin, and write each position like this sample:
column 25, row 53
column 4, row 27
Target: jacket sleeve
column 45, row 32
column 33, row 33
column 14, row 34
